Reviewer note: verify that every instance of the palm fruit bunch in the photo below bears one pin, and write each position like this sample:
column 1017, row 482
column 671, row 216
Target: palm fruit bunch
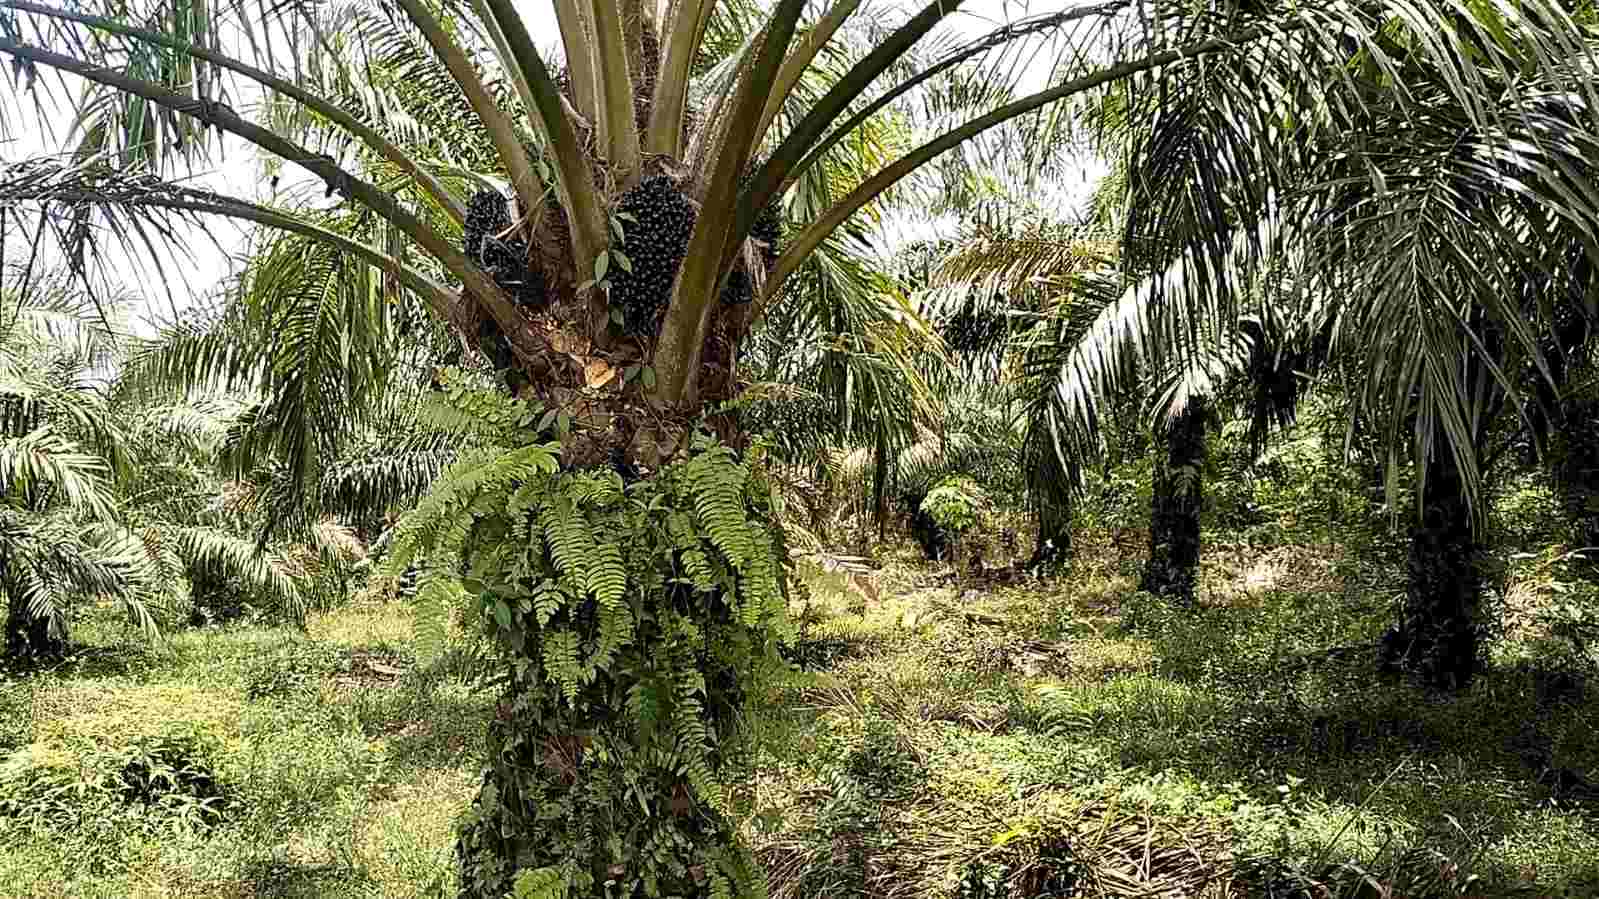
column 768, row 232
column 768, row 229
column 505, row 259
column 975, row 330
column 656, row 229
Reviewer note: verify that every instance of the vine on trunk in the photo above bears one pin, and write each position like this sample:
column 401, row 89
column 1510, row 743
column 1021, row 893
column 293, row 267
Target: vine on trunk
column 634, row 622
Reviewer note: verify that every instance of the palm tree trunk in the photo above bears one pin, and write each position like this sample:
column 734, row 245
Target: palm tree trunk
column 1437, row 634
column 34, row 636
column 1054, row 542
column 1173, row 566
column 1049, row 490
column 880, row 484
column 1576, row 475
column 928, row 535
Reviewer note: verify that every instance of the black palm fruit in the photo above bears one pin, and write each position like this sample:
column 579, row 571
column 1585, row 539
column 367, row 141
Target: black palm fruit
column 975, row 330
column 768, row 229
column 505, row 259
column 656, row 230
column 768, row 233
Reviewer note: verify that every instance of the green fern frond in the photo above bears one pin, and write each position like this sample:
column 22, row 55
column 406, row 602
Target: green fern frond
column 541, row 883
column 606, row 577
column 561, row 663
column 446, row 508
column 436, row 595
column 482, row 413
column 717, row 488
column 570, row 539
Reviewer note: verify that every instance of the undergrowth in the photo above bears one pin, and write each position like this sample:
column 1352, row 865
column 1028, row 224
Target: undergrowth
column 1061, row 739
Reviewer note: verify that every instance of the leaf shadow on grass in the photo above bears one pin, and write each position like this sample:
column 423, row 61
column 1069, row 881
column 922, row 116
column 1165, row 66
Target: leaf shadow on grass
column 273, row 877
column 1457, row 784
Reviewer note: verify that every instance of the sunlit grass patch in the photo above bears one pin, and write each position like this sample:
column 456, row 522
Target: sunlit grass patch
column 1243, row 573
column 406, row 842
column 115, row 712
column 374, row 624
column 1551, row 845
column 1099, row 658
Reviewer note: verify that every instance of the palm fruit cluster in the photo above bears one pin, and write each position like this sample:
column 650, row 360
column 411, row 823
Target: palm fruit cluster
column 656, row 229
column 975, row 330
column 768, row 229
column 505, row 259
column 768, row 232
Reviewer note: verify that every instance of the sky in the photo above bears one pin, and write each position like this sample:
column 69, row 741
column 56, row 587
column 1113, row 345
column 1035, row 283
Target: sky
column 216, row 254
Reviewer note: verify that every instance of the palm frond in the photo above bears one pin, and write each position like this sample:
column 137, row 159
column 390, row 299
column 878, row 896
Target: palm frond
column 41, row 467
column 262, row 573
column 373, row 485
column 1013, row 265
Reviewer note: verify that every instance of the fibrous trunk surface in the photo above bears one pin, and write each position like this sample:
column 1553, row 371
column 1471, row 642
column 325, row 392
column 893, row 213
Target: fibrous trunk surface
column 1437, row 634
column 1173, row 567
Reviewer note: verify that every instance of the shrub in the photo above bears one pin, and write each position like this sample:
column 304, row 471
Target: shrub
column 950, row 514
column 954, row 504
column 156, row 782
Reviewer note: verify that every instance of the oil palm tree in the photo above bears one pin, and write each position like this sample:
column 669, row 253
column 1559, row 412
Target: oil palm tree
column 1017, row 307
column 838, row 378
column 1426, row 231
column 59, row 457
column 104, row 495
column 641, row 176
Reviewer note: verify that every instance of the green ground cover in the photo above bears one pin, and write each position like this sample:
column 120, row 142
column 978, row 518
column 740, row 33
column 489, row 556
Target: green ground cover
column 947, row 739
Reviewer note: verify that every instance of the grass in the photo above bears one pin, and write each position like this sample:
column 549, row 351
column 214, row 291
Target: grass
column 1065, row 739
column 343, row 777
column 1242, row 750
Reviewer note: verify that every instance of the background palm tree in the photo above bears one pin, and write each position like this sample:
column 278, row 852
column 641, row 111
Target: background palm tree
column 59, row 457
column 1018, row 307
column 107, row 495
column 1363, row 203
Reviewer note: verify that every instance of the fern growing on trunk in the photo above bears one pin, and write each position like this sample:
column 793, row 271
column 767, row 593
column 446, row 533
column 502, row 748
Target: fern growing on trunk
column 634, row 621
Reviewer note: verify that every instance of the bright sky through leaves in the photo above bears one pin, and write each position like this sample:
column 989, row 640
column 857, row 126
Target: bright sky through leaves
column 240, row 171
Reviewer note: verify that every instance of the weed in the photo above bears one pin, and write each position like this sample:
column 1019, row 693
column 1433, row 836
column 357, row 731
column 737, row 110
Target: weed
column 294, row 667
column 161, row 782
column 884, row 763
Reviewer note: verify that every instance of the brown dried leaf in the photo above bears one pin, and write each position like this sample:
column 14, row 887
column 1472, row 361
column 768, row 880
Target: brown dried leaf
column 597, row 373
column 575, row 345
column 681, row 803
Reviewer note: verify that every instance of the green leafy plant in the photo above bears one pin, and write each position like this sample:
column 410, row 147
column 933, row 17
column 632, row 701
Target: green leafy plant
column 845, row 831
column 884, row 763
column 954, row 505
column 632, row 621
column 293, row 668
column 157, row 782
